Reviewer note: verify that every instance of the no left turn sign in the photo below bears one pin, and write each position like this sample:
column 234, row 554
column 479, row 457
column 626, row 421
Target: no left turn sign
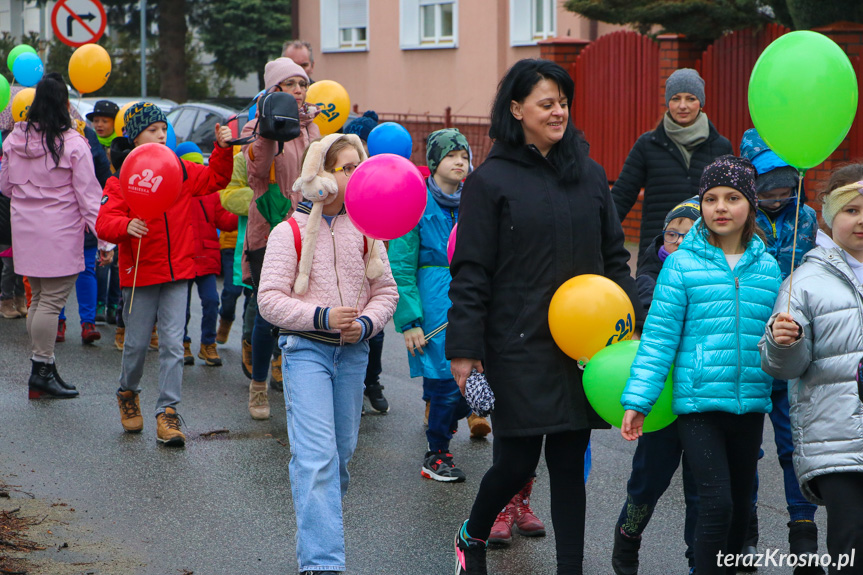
column 78, row 22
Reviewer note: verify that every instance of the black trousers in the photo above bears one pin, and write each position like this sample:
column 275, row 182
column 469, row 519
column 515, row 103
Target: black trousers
column 843, row 496
column 722, row 449
column 514, row 464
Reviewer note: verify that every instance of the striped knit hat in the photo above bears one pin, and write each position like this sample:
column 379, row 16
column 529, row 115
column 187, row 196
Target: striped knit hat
column 141, row 116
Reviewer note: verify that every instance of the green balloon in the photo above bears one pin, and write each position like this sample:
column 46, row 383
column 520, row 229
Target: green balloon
column 4, row 92
column 605, row 379
column 803, row 97
column 17, row 51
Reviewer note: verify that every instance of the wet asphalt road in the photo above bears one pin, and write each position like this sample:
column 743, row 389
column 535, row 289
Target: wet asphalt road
column 125, row 505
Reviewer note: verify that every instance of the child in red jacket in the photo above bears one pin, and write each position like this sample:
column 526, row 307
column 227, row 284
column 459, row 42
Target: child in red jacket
column 209, row 216
column 167, row 262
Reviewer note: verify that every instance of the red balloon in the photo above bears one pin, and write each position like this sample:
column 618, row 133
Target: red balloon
column 151, row 179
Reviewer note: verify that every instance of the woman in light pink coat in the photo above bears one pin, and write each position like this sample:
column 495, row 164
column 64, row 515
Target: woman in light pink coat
column 47, row 170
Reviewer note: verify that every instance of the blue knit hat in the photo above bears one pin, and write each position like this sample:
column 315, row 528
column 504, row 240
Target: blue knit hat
column 190, row 152
column 141, row 116
column 362, row 126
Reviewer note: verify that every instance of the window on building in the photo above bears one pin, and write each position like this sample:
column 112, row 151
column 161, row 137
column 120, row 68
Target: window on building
column 429, row 24
column 531, row 21
column 344, row 25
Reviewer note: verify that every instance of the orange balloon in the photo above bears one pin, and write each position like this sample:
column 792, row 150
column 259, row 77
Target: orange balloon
column 333, row 101
column 89, row 68
column 21, row 104
column 588, row 313
column 119, row 121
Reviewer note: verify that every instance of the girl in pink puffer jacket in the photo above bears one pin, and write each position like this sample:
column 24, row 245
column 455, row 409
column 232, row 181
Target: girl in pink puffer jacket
column 308, row 289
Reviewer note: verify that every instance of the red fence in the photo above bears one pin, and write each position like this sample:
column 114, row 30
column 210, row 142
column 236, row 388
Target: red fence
column 475, row 129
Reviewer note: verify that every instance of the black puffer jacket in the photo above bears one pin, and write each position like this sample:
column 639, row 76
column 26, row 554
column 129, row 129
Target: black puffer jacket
column 655, row 164
column 522, row 232
column 649, row 266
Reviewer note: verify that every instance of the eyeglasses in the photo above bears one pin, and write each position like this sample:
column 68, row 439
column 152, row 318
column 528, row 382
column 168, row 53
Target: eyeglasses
column 348, row 169
column 289, row 85
column 672, row 237
column 772, row 201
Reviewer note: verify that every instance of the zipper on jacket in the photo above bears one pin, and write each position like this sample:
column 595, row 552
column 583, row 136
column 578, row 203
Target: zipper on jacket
column 772, row 223
column 204, row 210
column 335, row 259
column 168, row 236
column 737, row 321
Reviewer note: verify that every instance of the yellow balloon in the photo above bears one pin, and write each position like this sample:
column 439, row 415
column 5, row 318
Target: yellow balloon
column 588, row 313
column 21, row 104
column 119, row 121
column 333, row 101
column 89, row 68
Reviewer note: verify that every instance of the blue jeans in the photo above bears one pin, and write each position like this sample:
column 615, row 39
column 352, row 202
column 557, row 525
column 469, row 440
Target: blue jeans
column 799, row 508
column 209, row 294
column 447, row 406
column 263, row 347
column 85, row 288
column 108, row 283
column 323, row 403
column 230, row 291
column 653, row 465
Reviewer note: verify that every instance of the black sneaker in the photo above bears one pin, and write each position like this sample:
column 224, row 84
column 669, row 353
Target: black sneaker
column 375, row 394
column 438, row 465
column 111, row 315
column 624, row 555
column 101, row 318
column 469, row 554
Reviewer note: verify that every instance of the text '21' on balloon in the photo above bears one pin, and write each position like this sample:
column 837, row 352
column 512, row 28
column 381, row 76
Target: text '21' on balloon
column 151, row 179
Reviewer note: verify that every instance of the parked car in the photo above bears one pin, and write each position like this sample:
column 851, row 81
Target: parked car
column 196, row 122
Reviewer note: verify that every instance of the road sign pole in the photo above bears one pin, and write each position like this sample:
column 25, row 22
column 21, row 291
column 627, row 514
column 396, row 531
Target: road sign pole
column 143, row 8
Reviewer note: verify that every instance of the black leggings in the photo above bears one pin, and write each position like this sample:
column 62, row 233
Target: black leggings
column 843, row 496
column 722, row 449
column 513, row 467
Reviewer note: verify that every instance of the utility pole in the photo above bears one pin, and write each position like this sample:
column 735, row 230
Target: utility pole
column 143, row 8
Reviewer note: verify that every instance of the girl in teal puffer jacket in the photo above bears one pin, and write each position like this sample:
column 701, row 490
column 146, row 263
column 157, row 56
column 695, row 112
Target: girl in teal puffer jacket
column 712, row 300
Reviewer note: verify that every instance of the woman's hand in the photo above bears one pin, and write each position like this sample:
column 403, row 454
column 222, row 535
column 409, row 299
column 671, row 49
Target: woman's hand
column 633, row 421
column 341, row 318
column 223, row 136
column 137, row 228
column 415, row 340
column 106, row 257
column 352, row 333
column 785, row 329
column 461, row 368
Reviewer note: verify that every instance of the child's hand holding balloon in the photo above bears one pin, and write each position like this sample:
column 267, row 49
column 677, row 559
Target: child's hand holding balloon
column 785, row 329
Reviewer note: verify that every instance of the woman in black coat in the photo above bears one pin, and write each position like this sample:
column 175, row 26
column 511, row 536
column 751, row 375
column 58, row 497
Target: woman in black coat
column 667, row 162
column 536, row 213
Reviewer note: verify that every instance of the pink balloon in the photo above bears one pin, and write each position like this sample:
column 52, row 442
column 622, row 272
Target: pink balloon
column 450, row 244
column 386, row 197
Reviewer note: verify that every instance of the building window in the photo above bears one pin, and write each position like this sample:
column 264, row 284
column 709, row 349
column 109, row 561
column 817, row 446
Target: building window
column 531, row 21
column 344, row 25
column 429, row 24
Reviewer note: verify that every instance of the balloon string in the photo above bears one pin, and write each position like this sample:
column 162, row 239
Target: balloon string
column 135, row 278
column 794, row 244
column 371, row 251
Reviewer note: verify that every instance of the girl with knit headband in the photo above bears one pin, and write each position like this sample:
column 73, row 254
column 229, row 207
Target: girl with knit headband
column 819, row 345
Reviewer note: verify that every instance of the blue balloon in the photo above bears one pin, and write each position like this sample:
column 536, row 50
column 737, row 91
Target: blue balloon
column 390, row 138
column 171, row 141
column 28, row 69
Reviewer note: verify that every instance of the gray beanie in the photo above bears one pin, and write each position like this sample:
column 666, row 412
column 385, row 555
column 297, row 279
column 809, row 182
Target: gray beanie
column 684, row 80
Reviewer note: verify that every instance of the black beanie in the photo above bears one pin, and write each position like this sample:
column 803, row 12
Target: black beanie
column 730, row 171
column 782, row 177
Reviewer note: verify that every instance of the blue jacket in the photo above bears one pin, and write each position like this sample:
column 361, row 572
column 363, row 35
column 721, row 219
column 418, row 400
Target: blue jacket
column 706, row 319
column 779, row 230
column 421, row 270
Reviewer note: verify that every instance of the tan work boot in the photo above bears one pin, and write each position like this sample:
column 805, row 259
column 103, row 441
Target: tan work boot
column 188, row 358
column 259, row 404
column 130, row 411
column 154, row 340
column 247, row 359
column 21, row 304
column 8, row 309
column 120, row 338
column 479, row 426
column 276, row 381
column 168, row 428
column 224, row 331
column 209, row 354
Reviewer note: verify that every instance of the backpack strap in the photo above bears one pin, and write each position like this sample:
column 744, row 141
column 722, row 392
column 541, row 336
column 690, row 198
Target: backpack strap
column 298, row 240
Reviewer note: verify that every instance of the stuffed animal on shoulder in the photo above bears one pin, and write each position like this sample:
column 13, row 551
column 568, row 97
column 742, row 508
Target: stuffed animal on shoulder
column 321, row 188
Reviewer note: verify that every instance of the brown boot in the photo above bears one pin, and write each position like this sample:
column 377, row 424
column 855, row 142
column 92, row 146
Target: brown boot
column 130, row 411
column 247, row 359
column 501, row 531
column 479, row 426
column 224, row 331
column 209, row 354
column 8, row 309
column 526, row 523
column 154, row 340
column 188, row 358
column 259, row 404
column 120, row 338
column 21, row 304
column 168, row 428
column 276, row 381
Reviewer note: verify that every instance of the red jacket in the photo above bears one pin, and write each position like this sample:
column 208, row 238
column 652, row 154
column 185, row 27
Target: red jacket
column 168, row 250
column 209, row 215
